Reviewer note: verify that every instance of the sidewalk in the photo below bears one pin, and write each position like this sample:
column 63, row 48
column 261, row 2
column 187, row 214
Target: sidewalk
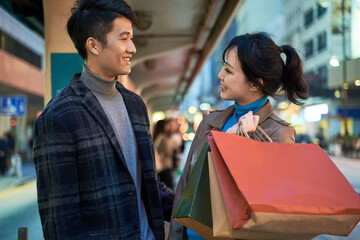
column 346, row 162
column 28, row 174
column 350, row 167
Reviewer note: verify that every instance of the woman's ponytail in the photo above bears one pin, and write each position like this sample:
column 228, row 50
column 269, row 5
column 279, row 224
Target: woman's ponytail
column 293, row 79
column 261, row 62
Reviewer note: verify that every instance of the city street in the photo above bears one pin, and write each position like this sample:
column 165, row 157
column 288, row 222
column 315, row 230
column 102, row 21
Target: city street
column 351, row 169
column 18, row 208
column 156, row 75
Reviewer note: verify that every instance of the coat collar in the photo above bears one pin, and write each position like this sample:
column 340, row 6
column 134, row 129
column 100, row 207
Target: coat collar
column 93, row 106
column 219, row 120
column 135, row 113
column 78, row 86
column 265, row 112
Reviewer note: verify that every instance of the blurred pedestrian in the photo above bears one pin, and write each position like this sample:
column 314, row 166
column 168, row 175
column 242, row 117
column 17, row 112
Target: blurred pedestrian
column 92, row 148
column 253, row 70
column 357, row 147
column 4, row 149
column 177, row 142
column 10, row 141
column 15, row 166
column 321, row 138
column 164, row 151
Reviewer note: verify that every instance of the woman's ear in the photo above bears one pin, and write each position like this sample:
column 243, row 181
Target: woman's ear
column 93, row 46
column 253, row 87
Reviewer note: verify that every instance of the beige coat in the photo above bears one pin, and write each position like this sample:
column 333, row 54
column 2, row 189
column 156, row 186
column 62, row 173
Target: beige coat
column 164, row 153
column 278, row 130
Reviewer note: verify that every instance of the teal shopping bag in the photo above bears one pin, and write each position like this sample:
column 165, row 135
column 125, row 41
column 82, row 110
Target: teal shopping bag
column 194, row 207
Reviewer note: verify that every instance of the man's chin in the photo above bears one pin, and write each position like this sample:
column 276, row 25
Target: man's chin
column 125, row 72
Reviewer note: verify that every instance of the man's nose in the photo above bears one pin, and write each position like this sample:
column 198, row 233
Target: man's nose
column 131, row 47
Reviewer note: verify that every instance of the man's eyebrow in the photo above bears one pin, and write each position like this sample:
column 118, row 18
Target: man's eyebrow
column 126, row 33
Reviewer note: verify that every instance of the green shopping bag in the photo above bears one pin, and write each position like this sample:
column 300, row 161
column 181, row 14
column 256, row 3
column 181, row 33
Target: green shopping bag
column 194, row 207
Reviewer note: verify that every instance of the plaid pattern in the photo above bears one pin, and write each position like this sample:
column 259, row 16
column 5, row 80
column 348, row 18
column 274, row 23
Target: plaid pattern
column 85, row 190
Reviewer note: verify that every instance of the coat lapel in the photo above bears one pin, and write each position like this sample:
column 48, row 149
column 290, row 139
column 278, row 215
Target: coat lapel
column 219, row 121
column 139, row 121
column 264, row 112
column 93, row 106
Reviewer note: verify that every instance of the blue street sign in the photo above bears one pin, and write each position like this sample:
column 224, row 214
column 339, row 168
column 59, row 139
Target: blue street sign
column 14, row 106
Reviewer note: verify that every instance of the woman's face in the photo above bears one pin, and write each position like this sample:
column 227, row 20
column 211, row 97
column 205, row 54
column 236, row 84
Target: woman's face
column 234, row 85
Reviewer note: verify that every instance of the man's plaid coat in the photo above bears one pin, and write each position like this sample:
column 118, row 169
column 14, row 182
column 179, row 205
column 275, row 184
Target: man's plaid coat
column 85, row 190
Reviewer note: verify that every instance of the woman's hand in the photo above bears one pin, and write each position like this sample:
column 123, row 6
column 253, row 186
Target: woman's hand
column 249, row 121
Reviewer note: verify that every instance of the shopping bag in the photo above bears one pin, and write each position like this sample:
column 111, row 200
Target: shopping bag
column 194, row 208
column 221, row 223
column 284, row 188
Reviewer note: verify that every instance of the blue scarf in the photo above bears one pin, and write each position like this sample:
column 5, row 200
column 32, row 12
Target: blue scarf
column 242, row 110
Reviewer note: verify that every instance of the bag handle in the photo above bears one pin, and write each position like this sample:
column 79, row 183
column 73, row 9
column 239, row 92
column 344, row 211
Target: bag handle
column 241, row 132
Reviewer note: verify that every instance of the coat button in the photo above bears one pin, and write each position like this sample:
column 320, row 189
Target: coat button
column 136, row 226
column 130, row 193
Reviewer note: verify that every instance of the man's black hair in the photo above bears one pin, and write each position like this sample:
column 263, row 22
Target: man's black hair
column 94, row 18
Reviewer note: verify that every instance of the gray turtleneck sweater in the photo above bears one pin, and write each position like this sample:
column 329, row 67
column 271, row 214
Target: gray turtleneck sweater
column 114, row 107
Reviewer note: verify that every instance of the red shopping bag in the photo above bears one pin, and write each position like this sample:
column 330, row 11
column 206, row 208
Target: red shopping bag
column 283, row 188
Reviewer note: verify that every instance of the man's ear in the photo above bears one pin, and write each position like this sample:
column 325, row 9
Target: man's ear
column 253, row 88
column 93, row 46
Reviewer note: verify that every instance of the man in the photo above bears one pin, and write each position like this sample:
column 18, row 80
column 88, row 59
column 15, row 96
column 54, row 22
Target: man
column 3, row 154
column 93, row 151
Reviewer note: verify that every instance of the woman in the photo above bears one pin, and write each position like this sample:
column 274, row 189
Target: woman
column 164, row 150
column 253, row 70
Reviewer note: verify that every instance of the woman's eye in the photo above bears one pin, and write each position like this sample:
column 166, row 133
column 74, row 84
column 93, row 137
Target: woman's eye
column 227, row 70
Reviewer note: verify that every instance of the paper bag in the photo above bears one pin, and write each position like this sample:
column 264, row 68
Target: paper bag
column 284, row 188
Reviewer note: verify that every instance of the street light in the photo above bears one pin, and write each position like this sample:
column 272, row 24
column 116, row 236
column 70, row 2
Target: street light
column 192, row 110
column 357, row 82
column 345, row 84
column 324, row 3
column 337, row 94
column 334, row 62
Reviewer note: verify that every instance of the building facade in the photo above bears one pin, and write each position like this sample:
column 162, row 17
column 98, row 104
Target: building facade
column 21, row 79
column 315, row 28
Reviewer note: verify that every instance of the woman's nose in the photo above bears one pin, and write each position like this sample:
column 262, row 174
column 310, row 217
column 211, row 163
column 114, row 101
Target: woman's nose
column 220, row 75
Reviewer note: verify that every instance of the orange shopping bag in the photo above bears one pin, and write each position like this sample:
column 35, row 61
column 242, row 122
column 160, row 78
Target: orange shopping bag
column 283, row 188
column 221, row 223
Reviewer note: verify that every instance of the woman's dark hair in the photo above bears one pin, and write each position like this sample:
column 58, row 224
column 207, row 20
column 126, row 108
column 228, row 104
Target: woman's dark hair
column 159, row 128
column 260, row 57
column 94, row 18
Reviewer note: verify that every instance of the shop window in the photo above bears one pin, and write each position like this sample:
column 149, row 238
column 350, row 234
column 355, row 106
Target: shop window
column 321, row 41
column 323, row 75
column 309, row 48
column 308, row 18
column 320, row 10
column 14, row 47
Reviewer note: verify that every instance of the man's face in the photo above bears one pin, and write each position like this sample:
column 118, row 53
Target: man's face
column 115, row 58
